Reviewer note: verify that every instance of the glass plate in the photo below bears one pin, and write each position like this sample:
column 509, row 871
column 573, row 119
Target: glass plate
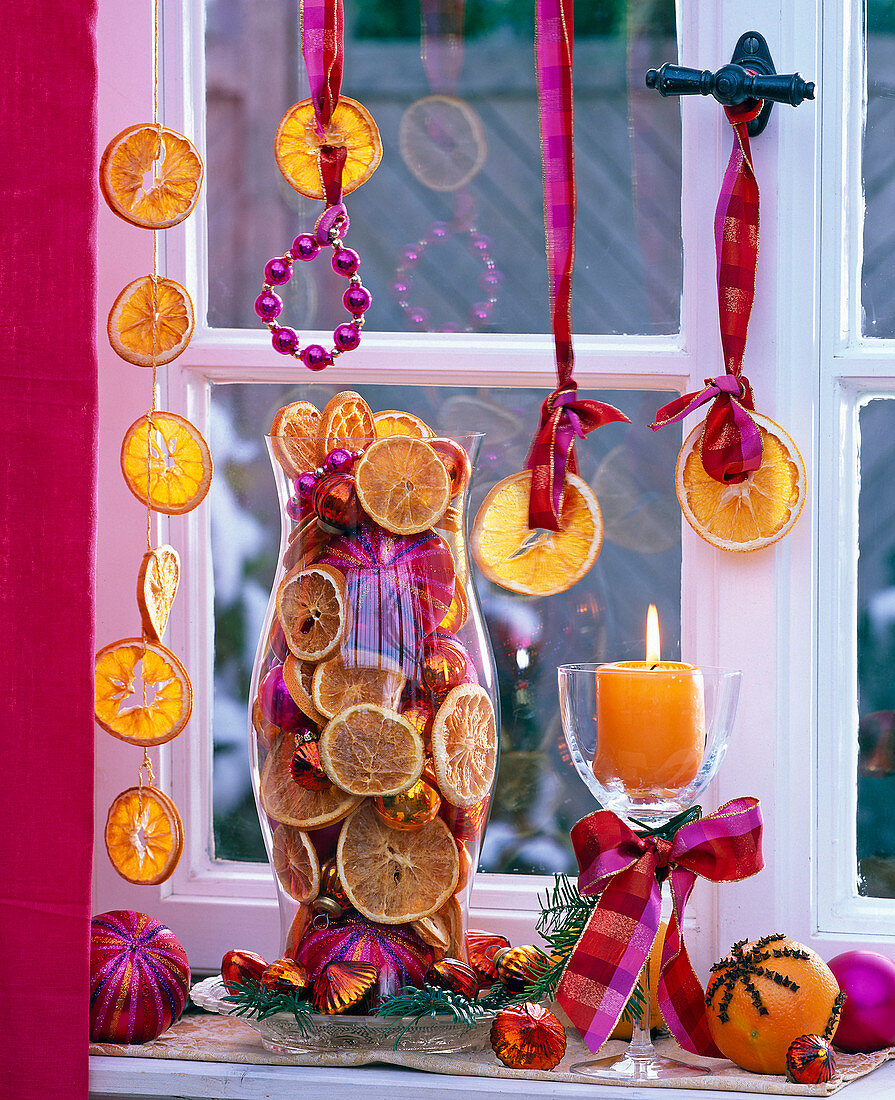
column 331, row 1034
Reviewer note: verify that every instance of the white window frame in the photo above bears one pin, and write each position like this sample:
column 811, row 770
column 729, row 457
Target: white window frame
column 794, row 598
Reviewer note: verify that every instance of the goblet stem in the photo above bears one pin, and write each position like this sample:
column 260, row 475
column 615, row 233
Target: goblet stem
column 641, row 1046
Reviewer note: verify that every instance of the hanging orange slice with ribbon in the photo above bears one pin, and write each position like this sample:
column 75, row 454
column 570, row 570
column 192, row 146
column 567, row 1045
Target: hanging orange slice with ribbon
column 298, row 144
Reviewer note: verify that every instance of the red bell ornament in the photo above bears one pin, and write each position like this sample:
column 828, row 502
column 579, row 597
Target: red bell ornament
column 237, row 967
column 331, row 891
column 445, row 664
column 481, row 947
column 455, row 976
column 518, row 967
column 810, row 1060
column 307, row 771
column 410, row 809
column 335, row 503
column 285, row 976
column 341, row 985
column 528, row 1036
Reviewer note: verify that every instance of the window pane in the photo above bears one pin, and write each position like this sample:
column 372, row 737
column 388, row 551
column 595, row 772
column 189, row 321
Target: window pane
column 876, row 652
column 538, row 796
column 628, row 258
column 878, row 280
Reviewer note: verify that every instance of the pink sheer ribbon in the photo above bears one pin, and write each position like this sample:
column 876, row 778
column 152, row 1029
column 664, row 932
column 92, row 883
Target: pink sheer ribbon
column 322, row 43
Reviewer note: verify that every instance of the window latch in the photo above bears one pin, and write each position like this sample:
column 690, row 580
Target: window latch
column 749, row 76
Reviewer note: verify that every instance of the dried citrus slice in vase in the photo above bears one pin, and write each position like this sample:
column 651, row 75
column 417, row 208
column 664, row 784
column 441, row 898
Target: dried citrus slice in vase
column 157, row 584
column 536, row 562
column 151, row 321
column 335, row 687
column 297, row 146
column 142, row 693
column 289, row 802
column 172, row 164
column 144, row 836
column 295, row 862
column 395, row 422
column 347, row 421
column 166, row 463
column 311, row 610
column 295, row 437
column 402, row 484
column 370, row 751
column 464, row 745
column 744, row 515
column 394, row 876
column 299, row 678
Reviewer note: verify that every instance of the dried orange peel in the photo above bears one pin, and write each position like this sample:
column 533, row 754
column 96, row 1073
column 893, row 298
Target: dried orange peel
column 347, row 422
column 297, row 146
column 464, row 745
column 396, row 422
column 176, row 179
column 402, row 484
column 335, row 687
column 143, row 836
column 142, row 693
column 295, row 861
column 166, row 463
column 311, row 609
column 151, row 321
column 157, row 584
column 368, row 750
column 295, row 437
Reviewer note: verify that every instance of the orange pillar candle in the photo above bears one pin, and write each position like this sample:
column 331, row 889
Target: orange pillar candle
column 650, row 721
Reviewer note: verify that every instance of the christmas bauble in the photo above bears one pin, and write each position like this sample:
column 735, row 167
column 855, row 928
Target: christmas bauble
column 285, row 976
column 277, row 705
column 528, row 1036
column 445, row 664
column 455, row 976
column 139, row 977
column 481, row 947
column 518, row 967
column 331, row 885
column 868, row 1016
column 810, row 1060
column 238, row 966
column 336, row 504
column 342, row 985
column 455, row 461
column 398, row 953
column 307, row 771
column 411, row 809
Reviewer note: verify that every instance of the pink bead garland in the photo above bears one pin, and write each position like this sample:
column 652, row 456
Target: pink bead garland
column 330, row 229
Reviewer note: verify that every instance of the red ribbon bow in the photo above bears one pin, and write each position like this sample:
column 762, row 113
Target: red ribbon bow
column 322, row 41
column 626, row 870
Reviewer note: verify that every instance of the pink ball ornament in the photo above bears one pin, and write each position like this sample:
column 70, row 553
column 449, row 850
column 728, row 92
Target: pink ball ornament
column 868, row 1016
column 139, row 977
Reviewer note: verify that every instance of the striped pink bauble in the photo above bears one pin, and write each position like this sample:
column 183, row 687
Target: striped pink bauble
column 139, row 977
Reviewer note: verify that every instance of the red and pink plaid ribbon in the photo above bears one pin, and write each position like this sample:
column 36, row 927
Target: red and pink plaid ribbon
column 563, row 415
column 322, row 43
column 731, row 442
column 626, row 871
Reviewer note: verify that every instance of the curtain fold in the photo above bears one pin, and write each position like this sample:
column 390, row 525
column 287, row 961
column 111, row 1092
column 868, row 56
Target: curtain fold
column 48, row 398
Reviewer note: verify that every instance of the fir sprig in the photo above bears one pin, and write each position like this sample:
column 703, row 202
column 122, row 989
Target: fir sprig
column 414, row 1004
column 251, row 998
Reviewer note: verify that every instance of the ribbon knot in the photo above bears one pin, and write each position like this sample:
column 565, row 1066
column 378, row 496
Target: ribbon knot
column 625, row 870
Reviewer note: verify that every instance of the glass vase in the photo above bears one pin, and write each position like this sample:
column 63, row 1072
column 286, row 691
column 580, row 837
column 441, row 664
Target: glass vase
column 373, row 719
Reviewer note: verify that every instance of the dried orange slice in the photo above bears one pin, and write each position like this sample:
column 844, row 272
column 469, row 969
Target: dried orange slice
column 347, row 422
column 176, row 178
column 286, row 801
column 395, row 422
column 295, row 437
column 335, row 687
column 402, row 484
column 166, row 463
column 442, row 142
column 394, row 876
column 297, row 146
column 311, row 610
column 458, row 612
column 295, row 862
column 144, row 836
column 536, row 562
column 750, row 514
column 299, row 677
column 464, row 745
column 142, row 693
column 306, row 544
column 435, row 930
column 368, row 750
column 151, row 321
column 157, row 584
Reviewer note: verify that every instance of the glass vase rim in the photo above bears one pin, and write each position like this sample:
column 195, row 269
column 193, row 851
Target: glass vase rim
column 591, row 667
column 456, row 436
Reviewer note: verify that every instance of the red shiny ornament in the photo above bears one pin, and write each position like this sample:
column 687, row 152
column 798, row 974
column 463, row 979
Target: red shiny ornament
column 466, row 824
column 238, row 966
column 528, row 1036
column 307, row 771
column 445, row 664
column 335, row 503
column 420, row 714
column 481, row 947
column 330, row 884
column 285, row 976
column 455, row 976
column 810, row 1060
column 455, row 461
column 341, row 985
column 411, row 809
column 518, row 967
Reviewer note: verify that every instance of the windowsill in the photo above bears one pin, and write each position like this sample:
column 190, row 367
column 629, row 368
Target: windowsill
column 155, row 1079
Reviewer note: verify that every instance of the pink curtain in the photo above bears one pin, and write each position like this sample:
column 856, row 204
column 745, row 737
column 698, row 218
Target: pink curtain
column 47, row 529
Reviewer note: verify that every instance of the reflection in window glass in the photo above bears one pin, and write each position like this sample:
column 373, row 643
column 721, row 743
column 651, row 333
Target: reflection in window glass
column 876, row 652
column 538, row 796
column 878, row 275
column 460, row 174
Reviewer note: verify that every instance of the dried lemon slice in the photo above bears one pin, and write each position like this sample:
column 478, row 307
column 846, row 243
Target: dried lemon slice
column 368, row 750
column 151, row 321
column 157, row 584
column 750, row 514
column 295, row 862
column 297, row 146
column 295, row 437
column 535, row 562
column 311, row 610
column 402, row 484
column 335, row 687
column 395, row 876
column 464, row 745
column 142, row 693
column 287, row 801
column 395, row 422
column 347, row 422
column 166, row 463
column 176, row 176
column 144, row 836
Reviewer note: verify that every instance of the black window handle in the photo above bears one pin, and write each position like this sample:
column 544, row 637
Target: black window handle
column 749, row 76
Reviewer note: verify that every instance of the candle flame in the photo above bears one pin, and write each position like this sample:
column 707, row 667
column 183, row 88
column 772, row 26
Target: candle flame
column 652, row 635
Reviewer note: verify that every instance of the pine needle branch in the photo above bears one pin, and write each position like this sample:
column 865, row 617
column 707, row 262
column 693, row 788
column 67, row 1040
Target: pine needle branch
column 251, row 998
column 416, row 1003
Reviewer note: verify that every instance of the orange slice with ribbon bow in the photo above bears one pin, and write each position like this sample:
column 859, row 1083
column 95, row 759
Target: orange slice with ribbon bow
column 297, row 146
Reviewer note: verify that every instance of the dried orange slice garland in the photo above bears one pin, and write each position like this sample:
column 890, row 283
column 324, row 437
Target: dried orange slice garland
column 151, row 176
